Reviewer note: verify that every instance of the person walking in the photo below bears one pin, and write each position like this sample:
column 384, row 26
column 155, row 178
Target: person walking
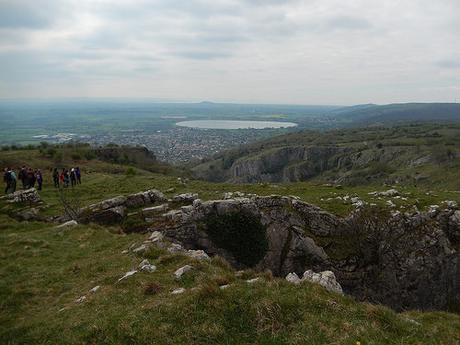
column 66, row 178
column 56, row 178
column 7, row 179
column 73, row 177
column 30, row 179
column 25, row 178
column 39, row 178
column 13, row 181
column 61, row 177
column 22, row 175
column 78, row 175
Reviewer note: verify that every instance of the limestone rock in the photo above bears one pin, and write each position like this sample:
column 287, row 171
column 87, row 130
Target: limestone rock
column 70, row 223
column 94, row 289
column 127, row 275
column 453, row 231
column 80, row 299
column 154, row 210
column 389, row 193
column 253, row 280
column 451, row 204
column 197, row 254
column 141, row 249
column 107, row 216
column 326, row 279
column 156, row 237
column 181, row 271
column 113, row 210
column 185, row 197
column 28, row 214
column 178, row 291
column 146, row 266
column 175, row 248
column 28, row 195
column 293, row 278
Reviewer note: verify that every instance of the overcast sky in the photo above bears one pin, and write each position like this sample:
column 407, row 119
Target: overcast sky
column 266, row 51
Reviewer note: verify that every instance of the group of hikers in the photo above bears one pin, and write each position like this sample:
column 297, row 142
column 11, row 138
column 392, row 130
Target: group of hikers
column 27, row 176
column 30, row 177
column 66, row 177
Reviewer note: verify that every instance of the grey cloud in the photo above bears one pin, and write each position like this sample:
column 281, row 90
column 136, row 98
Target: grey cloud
column 309, row 48
column 202, row 55
column 27, row 66
column 347, row 23
column 449, row 64
column 27, row 14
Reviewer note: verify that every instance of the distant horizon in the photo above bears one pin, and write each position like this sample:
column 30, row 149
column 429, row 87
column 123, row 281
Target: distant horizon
column 185, row 101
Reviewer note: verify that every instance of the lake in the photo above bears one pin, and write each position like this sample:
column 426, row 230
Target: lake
column 231, row 124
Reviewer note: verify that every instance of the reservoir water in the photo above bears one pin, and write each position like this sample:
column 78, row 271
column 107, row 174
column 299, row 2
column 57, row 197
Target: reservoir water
column 231, row 124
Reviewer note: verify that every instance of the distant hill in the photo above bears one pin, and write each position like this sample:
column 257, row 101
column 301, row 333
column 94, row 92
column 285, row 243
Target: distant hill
column 396, row 113
column 410, row 154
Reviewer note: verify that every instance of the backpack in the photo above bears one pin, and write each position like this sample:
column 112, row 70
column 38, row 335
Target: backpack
column 7, row 177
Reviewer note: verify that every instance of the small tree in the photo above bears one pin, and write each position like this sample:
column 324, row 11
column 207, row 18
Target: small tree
column 70, row 202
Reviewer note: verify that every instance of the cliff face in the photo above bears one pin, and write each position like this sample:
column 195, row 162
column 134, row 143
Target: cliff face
column 285, row 164
column 406, row 261
column 357, row 156
column 293, row 164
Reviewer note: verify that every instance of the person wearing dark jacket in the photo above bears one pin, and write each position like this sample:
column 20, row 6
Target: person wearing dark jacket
column 22, row 176
column 56, row 178
column 7, row 179
column 73, row 177
column 78, row 175
column 66, row 178
column 39, row 178
column 30, row 177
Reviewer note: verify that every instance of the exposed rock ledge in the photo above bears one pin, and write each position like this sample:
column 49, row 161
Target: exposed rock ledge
column 409, row 261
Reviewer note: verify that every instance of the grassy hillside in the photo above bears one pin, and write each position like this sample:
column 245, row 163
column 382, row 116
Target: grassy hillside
column 102, row 180
column 44, row 270
column 409, row 155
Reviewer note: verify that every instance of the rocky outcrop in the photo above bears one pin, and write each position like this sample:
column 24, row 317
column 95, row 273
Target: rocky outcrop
column 113, row 211
column 284, row 164
column 28, row 214
column 23, row 196
column 326, row 279
column 404, row 261
column 185, row 198
column 285, row 219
